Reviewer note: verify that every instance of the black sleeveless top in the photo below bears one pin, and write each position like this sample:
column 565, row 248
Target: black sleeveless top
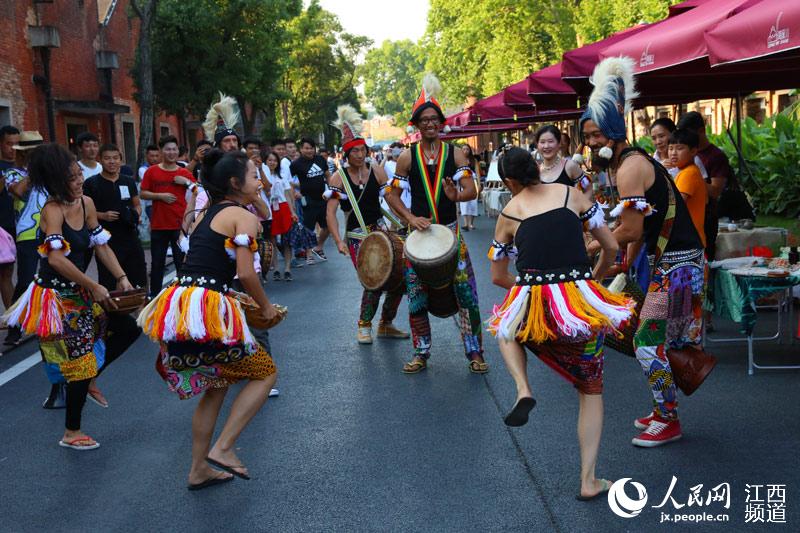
column 419, row 202
column 684, row 235
column 551, row 241
column 79, row 252
column 207, row 256
column 369, row 201
column 563, row 178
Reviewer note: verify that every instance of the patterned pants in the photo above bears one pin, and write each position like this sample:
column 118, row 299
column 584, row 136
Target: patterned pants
column 370, row 300
column 469, row 316
column 671, row 317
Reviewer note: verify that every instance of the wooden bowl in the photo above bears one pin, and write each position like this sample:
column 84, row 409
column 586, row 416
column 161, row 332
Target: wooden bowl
column 252, row 312
column 127, row 301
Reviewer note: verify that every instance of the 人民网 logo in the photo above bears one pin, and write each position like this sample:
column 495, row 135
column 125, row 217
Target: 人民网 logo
column 777, row 35
column 647, row 58
column 621, row 504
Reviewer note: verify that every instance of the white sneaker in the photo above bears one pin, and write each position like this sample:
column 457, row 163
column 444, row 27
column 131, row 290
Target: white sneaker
column 273, row 393
column 364, row 335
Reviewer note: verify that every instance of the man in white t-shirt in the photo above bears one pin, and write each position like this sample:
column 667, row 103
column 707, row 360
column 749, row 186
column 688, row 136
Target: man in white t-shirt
column 88, row 146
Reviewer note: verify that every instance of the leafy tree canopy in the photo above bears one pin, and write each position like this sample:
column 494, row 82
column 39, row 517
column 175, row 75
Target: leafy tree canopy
column 391, row 75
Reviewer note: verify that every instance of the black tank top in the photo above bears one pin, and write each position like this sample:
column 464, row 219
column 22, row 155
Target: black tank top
column 552, row 240
column 79, row 251
column 563, row 178
column 419, row 202
column 207, row 256
column 369, row 202
column 684, row 235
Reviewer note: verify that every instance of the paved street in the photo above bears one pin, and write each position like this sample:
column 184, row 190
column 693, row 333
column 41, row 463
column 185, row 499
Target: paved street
column 352, row 444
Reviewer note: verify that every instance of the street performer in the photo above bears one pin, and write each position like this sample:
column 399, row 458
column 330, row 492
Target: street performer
column 652, row 210
column 358, row 187
column 428, row 169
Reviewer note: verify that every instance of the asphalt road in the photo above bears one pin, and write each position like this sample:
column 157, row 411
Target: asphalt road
column 352, row 444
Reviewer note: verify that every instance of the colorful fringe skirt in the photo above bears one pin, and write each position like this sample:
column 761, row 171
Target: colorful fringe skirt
column 71, row 329
column 204, row 339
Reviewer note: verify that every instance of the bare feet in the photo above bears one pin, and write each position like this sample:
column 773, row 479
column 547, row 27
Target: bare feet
column 594, row 488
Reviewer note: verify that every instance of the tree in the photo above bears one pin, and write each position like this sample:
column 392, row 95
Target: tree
column 320, row 72
column 478, row 47
column 145, row 10
column 202, row 47
column 597, row 19
column 391, row 75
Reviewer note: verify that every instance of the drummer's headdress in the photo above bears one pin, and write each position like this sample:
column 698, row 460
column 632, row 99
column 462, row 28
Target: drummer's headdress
column 221, row 119
column 349, row 122
column 614, row 90
column 427, row 98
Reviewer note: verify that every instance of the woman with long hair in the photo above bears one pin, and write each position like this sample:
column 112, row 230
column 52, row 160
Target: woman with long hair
column 283, row 216
column 469, row 209
column 554, row 306
column 206, row 345
column 61, row 306
column 554, row 167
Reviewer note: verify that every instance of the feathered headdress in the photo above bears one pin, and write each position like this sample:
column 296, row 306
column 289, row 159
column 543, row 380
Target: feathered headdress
column 614, row 90
column 221, row 119
column 427, row 98
column 350, row 123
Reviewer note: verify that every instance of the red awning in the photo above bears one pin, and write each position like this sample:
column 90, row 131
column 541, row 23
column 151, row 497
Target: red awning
column 492, row 109
column 517, row 97
column 549, row 91
column 772, row 27
column 676, row 40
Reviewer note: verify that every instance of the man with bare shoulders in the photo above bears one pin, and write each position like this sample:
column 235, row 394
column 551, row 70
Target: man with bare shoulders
column 653, row 216
column 430, row 170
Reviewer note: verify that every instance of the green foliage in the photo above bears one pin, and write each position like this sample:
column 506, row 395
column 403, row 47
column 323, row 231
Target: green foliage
column 391, row 76
column 201, row 47
column 597, row 19
column 645, row 143
column 478, row 47
column 772, row 152
column 320, row 73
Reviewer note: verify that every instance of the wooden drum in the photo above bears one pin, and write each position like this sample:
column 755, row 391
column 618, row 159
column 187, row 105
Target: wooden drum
column 252, row 311
column 380, row 261
column 126, row 301
column 433, row 253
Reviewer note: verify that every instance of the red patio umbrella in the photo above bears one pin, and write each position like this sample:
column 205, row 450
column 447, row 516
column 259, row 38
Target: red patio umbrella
column 516, row 96
column 769, row 29
column 492, row 109
column 549, row 91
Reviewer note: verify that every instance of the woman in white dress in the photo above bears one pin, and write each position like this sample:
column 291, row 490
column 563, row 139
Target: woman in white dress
column 469, row 210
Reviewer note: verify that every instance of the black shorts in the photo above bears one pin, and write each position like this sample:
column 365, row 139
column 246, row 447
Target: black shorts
column 315, row 213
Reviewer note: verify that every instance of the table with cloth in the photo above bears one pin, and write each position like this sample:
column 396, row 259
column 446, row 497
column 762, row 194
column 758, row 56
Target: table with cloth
column 741, row 242
column 494, row 200
column 734, row 288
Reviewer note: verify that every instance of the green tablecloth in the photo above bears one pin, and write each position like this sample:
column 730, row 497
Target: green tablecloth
column 734, row 297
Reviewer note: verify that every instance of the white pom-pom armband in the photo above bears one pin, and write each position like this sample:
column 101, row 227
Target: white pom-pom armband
column 240, row 240
column 334, row 193
column 638, row 203
column 53, row 242
column 462, row 172
column 594, row 217
column 400, row 182
column 502, row 250
column 385, row 189
column 98, row 236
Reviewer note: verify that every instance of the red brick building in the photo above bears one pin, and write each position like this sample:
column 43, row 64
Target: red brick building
column 82, row 51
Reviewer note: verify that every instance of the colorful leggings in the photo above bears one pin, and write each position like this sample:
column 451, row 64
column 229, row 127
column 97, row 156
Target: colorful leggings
column 469, row 316
column 671, row 317
column 371, row 299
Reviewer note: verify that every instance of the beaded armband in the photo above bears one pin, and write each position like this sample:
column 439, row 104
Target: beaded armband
column 462, row 172
column 638, row 203
column 334, row 193
column 583, row 182
column 240, row 240
column 594, row 217
column 53, row 242
column 400, row 182
column 98, row 236
column 385, row 189
column 501, row 250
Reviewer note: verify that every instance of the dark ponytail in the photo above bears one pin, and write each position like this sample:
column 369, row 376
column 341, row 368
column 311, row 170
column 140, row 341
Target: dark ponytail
column 517, row 164
column 218, row 169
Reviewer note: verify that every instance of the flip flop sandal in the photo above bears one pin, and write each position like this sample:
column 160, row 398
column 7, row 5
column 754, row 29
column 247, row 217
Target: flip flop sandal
column 415, row 367
column 228, row 468
column 518, row 416
column 73, row 443
column 97, row 397
column 210, row 482
column 478, row 367
column 606, row 485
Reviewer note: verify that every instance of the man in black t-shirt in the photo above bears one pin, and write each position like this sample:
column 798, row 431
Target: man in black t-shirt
column 116, row 199
column 311, row 170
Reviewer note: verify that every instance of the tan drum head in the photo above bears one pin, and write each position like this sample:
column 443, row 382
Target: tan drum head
column 374, row 261
column 430, row 244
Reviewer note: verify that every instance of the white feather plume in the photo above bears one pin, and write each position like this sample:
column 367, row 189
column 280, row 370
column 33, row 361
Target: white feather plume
column 227, row 108
column 431, row 85
column 605, row 85
column 347, row 114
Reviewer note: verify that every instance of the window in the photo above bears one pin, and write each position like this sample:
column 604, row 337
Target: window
column 73, row 130
column 5, row 113
column 129, row 142
column 164, row 131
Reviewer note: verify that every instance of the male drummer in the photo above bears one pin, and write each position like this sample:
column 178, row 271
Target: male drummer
column 430, row 170
column 358, row 189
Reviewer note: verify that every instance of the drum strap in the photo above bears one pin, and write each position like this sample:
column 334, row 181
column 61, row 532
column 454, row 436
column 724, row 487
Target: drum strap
column 433, row 188
column 353, row 199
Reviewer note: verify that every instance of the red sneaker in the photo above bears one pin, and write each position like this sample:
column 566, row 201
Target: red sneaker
column 658, row 432
column 644, row 422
